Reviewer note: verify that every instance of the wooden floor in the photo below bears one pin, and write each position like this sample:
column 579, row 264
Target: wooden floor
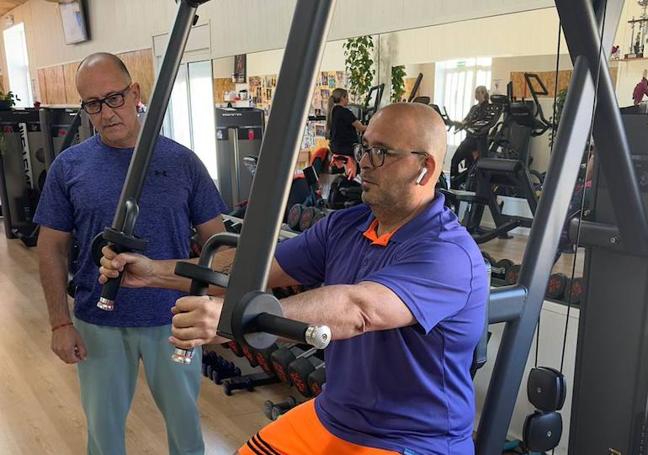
column 40, row 411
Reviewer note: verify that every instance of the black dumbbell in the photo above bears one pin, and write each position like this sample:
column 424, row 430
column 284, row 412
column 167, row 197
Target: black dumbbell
column 264, row 357
column 273, row 410
column 218, row 375
column 307, row 218
column 235, row 348
column 283, row 357
column 316, row 380
column 294, row 216
column 250, row 355
column 211, row 360
column 501, row 268
column 300, row 369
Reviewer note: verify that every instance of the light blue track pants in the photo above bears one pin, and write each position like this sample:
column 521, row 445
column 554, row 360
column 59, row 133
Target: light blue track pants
column 108, row 377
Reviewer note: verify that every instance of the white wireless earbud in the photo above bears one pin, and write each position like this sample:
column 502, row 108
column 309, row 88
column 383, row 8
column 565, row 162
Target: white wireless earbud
column 422, row 174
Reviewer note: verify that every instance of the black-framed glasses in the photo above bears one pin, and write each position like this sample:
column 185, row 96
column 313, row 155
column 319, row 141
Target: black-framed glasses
column 114, row 100
column 377, row 154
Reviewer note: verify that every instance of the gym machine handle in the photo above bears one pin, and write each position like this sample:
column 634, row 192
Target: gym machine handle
column 317, row 336
column 202, row 276
column 258, row 321
column 120, row 242
column 124, row 221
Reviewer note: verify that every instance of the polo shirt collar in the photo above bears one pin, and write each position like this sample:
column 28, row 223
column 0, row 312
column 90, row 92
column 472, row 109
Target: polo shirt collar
column 409, row 229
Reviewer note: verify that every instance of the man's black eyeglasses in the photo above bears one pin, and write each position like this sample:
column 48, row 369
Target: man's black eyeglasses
column 377, row 154
column 114, row 100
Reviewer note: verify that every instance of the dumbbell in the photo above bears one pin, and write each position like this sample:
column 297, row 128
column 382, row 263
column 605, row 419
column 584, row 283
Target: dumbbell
column 556, row 286
column 307, row 218
column 250, row 355
column 316, row 380
column 299, row 370
column 294, row 216
column 264, row 357
column 512, row 274
column 574, row 290
column 282, row 358
column 217, row 368
column 500, row 268
column 273, row 410
column 236, row 348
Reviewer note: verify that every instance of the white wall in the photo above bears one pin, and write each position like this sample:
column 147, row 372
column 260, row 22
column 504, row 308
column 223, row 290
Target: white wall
column 124, row 25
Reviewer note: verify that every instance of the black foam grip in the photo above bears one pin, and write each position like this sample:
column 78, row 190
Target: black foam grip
column 111, row 288
column 277, row 325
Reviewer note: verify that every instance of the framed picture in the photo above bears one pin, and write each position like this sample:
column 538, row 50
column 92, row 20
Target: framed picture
column 240, row 68
column 74, row 23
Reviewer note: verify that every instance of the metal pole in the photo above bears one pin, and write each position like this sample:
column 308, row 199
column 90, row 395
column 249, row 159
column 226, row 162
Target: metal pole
column 278, row 154
column 123, row 222
column 538, row 260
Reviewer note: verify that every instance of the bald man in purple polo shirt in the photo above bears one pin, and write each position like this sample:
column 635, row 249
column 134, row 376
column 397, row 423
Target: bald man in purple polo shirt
column 403, row 289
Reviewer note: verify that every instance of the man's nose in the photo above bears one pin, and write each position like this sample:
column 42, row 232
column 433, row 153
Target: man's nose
column 365, row 161
column 106, row 112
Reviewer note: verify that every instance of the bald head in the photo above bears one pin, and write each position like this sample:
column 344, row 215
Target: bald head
column 418, row 127
column 102, row 62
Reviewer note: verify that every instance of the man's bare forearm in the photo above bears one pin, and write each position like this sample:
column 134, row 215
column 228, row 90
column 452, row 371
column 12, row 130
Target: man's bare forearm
column 53, row 266
column 335, row 306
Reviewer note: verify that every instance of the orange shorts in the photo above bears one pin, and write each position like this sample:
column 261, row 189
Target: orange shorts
column 300, row 432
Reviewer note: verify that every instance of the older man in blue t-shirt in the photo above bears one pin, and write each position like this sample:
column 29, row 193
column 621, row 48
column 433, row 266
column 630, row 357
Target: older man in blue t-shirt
column 79, row 200
column 404, row 290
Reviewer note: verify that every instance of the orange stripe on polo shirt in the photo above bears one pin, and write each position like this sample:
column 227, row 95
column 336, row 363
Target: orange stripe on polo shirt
column 300, row 432
column 372, row 234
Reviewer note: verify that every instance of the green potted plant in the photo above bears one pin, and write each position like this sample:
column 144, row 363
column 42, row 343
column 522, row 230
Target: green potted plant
column 8, row 100
column 398, row 74
column 359, row 63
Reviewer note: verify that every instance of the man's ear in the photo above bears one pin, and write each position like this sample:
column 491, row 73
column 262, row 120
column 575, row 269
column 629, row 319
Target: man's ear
column 135, row 88
column 427, row 171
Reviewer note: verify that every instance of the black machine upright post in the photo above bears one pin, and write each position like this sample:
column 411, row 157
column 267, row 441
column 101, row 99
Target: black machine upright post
column 121, row 234
column 277, row 160
column 538, row 260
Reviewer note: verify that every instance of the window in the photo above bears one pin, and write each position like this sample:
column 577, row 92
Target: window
column 455, row 89
column 18, row 64
column 190, row 115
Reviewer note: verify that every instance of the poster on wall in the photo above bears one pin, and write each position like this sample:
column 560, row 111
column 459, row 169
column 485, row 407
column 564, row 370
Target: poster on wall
column 240, row 68
column 74, row 22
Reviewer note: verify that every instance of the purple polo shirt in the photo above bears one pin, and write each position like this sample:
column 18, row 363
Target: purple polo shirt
column 409, row 389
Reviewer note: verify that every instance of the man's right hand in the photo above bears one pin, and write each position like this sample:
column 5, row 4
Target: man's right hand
column 68, row 345
column 138, row 270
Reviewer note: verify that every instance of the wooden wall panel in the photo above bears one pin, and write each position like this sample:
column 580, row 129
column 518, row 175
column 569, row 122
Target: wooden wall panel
column 57, row 86
column 140, row 66
column 519, row 84
column 222, row 85
column 520, row 89
column 54, row 84
column 69, row 75
column 42, row 86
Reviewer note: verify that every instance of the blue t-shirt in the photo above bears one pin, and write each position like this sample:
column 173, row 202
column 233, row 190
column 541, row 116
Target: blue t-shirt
column 407, row 388
column 80, row 196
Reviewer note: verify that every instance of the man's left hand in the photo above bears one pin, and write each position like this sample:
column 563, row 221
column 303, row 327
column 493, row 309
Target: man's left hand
column 195, row 321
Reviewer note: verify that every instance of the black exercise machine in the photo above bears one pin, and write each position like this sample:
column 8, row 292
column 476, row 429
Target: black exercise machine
column 30, row 140
column 609, row 407
column 249, row 315
column 370, row 105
